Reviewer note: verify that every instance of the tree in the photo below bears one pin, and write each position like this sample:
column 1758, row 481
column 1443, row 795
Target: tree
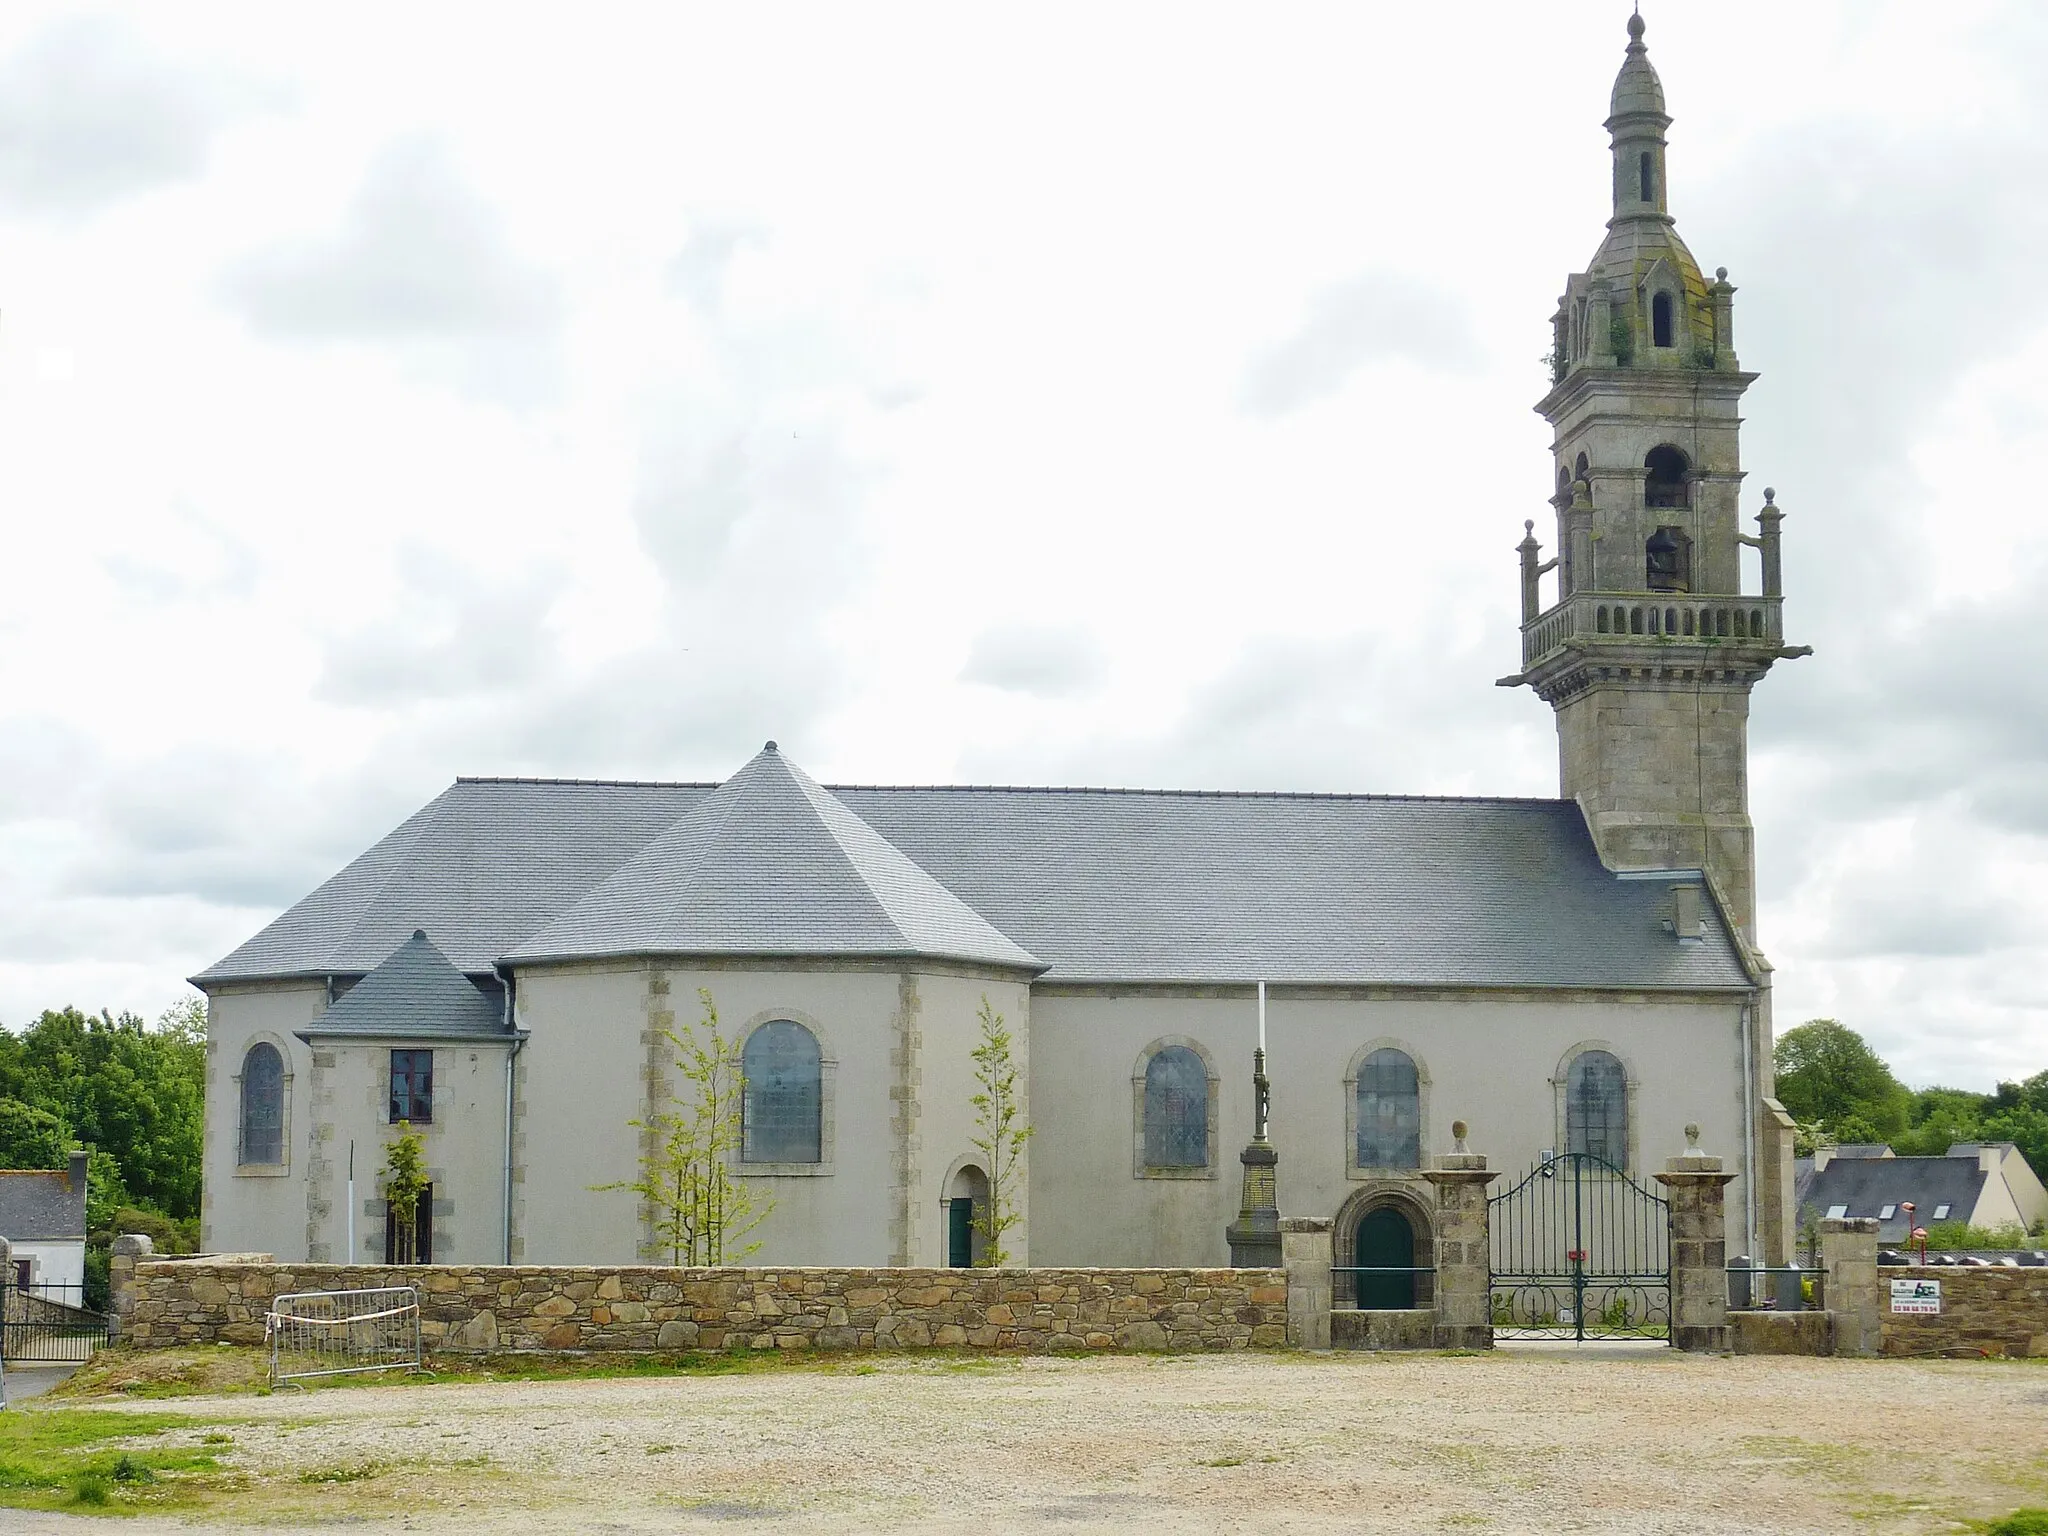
column 1829, row 1079
column 127, row 1090
column 699, row 1212
column 31, row 1137
column 405, row 1180
column 1000, row 1134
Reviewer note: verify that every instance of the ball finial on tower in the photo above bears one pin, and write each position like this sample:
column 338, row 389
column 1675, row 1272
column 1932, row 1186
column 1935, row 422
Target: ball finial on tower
column 1635, row 27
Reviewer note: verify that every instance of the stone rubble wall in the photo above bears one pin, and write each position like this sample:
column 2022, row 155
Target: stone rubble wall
column 1983, row 1312
column 482, row 1308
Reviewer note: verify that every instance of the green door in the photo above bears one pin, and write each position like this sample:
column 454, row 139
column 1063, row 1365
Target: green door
column 960, row 1232
column 1385, row 1242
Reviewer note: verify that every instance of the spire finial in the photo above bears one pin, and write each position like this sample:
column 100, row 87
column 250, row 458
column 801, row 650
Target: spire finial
column 1635, row 28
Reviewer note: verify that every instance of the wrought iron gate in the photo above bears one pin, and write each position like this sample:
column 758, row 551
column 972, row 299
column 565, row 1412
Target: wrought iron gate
column 1579, row 1250
column 48, row 1325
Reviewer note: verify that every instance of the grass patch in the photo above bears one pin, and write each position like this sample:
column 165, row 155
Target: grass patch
column 165, row 1373
column 2021, row 1522
column 238, row 1370
column 54, row 1457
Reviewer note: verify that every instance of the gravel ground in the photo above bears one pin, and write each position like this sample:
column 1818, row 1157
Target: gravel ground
column 1518, row 1440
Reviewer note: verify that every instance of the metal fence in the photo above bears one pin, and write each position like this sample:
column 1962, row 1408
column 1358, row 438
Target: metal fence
column 336, row 1333
column 48, row 1324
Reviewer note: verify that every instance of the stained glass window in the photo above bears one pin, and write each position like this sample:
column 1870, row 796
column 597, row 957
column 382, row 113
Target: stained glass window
column 1596, row 1107
column 1176, row 1109
column 263, row 1105
column 783, row 1116
column 1389, row 1111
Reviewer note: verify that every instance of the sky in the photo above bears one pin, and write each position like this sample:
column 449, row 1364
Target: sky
column 1126, row 394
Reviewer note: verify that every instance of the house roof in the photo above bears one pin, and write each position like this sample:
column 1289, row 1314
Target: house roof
column 1866, row 1185
column 1099, row 885
column 772, row 863
column 41, row 1205
column 416, row 992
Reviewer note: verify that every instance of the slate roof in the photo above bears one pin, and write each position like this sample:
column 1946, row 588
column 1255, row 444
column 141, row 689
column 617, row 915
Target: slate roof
column 482, row 866
column 770, row 863
column 1868, row 1184
column 1098, row 885
column 417, row 992
column 42, row 1205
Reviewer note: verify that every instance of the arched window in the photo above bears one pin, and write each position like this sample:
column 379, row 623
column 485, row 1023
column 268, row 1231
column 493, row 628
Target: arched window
column 1660, row 319
column 1176, row 1109
column 262, row 1105
column 1666, row 478
column 1646, row 177
column 1596, row 1107
column 782, row 1117
column 1389, row 1111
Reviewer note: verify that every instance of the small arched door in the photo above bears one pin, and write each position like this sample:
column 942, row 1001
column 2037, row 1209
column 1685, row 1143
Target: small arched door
column 1385, row 1256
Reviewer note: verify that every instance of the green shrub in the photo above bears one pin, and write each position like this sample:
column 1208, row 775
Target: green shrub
column 92, row 1487
column 2021, row 1522
column 1947, row 1235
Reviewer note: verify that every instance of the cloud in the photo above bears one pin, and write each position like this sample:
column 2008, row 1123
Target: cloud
column 1376, row 317
column 1040, row 660
column 91, row 113
column 421, row 262
column 451, row 635
column 698, row 270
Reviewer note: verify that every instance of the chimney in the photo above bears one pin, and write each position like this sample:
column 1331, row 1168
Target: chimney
column 76, row 1173
column 1822, row 1156
column 1685, row 914
column 1990, row 1156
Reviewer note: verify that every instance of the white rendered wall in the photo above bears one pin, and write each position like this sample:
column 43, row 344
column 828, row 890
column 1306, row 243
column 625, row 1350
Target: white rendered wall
column 465, row 1148
column 873, row 1200
column 58, row 1266
column 256, row 1210
column 1489, row 1061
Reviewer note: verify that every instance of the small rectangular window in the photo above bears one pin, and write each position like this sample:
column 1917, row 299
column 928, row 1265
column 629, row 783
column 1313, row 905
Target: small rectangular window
column 1887, row 1213
column 1941, row 1213
column 1837, row 1212
column 412, row 1087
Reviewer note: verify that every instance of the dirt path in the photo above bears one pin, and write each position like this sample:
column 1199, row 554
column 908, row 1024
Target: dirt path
column 1512, row 1441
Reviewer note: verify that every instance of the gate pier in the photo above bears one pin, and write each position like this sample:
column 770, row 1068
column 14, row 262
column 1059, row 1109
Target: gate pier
column 1464, row 1308
column 1699, row 1248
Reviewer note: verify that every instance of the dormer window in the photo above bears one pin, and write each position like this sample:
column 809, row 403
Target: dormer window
column 1665, row 473
column 1660, row 320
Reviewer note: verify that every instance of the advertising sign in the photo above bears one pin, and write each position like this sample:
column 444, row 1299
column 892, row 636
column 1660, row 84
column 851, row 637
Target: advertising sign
column 1916, row 1296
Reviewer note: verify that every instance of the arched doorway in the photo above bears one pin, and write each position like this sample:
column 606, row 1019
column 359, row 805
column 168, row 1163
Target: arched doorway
column 1384, row 1253
column 965, row 1200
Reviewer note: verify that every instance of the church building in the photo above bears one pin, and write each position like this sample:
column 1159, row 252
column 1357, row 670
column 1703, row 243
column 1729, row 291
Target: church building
column 1578, row 973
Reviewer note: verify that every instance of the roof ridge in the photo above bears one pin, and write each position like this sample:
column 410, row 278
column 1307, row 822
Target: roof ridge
column 1053, row 789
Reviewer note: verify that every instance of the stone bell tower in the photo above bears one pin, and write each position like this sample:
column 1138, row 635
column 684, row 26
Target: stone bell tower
column 1651, row 647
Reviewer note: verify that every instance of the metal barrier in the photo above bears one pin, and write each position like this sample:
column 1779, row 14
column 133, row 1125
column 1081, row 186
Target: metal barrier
column 338, row 1333
column 48, row 1324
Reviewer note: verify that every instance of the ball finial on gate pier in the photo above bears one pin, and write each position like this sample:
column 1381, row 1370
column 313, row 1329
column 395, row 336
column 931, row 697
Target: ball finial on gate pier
column 1692, row 1141
column 1458, row 1137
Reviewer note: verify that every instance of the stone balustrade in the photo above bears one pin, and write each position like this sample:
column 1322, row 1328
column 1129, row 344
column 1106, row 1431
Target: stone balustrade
column 1701, row 619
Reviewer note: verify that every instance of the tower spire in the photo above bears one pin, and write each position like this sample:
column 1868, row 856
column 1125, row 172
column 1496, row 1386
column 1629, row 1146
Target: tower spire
column 1651, row 647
